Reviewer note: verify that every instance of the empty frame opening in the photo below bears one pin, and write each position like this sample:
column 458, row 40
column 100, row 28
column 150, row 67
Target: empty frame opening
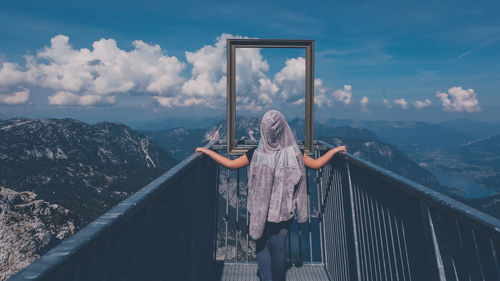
column 264, row 74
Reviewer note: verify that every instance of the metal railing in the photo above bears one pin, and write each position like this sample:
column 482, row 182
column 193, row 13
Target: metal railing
column 380, row 226
column 233, row 241
column 372, row 224
column 365, row 223
column 164, row 231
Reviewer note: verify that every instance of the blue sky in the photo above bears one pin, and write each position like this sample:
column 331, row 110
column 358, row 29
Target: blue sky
column 443, row 54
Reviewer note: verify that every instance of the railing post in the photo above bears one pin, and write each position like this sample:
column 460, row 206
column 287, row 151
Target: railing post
column 319, row 195
column 236, row 230
column 354, row 266
column 432, row 245
column 216, row 221
column 247, row 230
column 226, row 215
column 309, row 218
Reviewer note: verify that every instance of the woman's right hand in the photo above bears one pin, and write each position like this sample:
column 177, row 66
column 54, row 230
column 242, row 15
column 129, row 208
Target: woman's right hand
column 202, row 149
column 224, row 161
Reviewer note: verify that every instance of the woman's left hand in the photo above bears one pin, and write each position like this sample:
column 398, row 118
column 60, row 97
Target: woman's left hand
column 341, row 148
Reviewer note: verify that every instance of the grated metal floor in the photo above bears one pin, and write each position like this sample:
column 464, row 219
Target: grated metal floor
column 248, row 272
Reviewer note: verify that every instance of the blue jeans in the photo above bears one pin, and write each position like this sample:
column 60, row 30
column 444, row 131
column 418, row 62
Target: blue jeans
column 271, row 251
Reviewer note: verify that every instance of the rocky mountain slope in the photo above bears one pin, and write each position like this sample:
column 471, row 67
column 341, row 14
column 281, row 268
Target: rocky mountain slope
column 77, row 171
column 82, row 170
column 28, row 228
column 407, row 134
column 85, row 168
column 178, row 142
column 463, row 149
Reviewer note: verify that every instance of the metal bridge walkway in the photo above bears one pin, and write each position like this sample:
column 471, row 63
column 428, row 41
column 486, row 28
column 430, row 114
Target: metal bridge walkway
column 365, row 224
column 247, row 272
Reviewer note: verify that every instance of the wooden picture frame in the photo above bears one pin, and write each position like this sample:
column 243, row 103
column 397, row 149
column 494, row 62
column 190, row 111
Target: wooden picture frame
column 232, row 44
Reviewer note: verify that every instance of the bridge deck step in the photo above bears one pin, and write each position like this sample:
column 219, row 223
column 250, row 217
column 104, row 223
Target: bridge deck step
column 248, row 272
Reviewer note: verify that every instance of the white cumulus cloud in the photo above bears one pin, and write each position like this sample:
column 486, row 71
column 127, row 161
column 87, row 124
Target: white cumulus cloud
column 11, row 74
column 291, row 82
column 69, row 98
column 15, row 98
column 291, row 79
column 458, row 100
column 320, row 94
column 98, row 75
column 94, row 100
column 364, row 104
column 387, row 103
column 255, row 89
column 207, row 84
column 63, row 98
column 345, row 95
column 422, row 104
column 401, row 102
column 208, row 76
column 94, row 75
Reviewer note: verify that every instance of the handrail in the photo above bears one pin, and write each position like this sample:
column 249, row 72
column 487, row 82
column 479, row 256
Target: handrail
column 138, row 206
column 430, row 195
column 373, row 225
column 233, row 241
column 397, row 229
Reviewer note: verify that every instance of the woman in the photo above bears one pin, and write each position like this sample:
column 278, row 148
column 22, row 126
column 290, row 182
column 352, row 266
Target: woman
column 277, row 189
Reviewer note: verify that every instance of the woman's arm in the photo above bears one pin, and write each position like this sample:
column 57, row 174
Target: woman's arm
column 237, row 163
column 318, row 163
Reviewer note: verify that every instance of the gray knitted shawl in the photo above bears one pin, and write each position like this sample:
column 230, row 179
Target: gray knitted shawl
column 276, row 178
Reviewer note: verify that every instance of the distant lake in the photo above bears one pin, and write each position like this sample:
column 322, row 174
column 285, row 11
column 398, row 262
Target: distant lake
column 463, row 186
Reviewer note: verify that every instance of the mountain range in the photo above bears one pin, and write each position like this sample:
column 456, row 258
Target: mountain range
column 71, row 172
column 467, row 152
column 476, row 129
column 85, row 168
column 160, row 124
column 76, row 172
column 359, row 142
column 457, row 147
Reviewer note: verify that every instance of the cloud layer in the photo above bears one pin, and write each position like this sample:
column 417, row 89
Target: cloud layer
column 364, row 104
column 88, row 77
column 68, row 98
column 387, row 104
column 100, row 75
column 345, row 95
column 16, row 98
column 97, row 76
column 401, row 102
column 422, row 104
column 459, row 100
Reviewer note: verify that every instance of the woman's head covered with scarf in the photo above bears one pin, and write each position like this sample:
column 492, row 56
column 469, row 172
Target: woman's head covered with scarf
column 276, row 172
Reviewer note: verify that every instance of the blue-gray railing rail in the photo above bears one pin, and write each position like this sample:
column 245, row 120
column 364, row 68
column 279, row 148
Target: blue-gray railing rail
column 164, row 231
column 380, row 226
column 233, row 241
column 372, row 225
column 369, row 223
